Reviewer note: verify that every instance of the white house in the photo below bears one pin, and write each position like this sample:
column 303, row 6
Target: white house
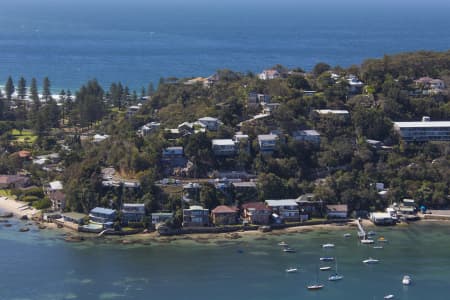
column 286, row 209
column 269, row 74
column 149, row 128
column 423, row 131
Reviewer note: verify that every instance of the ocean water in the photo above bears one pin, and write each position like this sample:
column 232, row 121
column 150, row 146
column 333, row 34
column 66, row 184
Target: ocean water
column 40, row 266
column 139, row 41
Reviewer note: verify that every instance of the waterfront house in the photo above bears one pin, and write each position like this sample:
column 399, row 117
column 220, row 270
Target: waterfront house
column 195, row 216
column 133, row 212
column 337, row 211
column 286, row 209
column 13, row 181
column 161, row 217
column 224, row 147
column 58, row 199
column 224, row 215
column 210, row 123
column 267, row 143
column 256, row 213
column 74, row 217
column 382, row 218
column 424, row 131
column 269, row 74
column 309, row 207
column 103, row 216
column 311, row 136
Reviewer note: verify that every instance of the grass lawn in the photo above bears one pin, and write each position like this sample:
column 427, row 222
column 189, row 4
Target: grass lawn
column 5, row 193
column 27, row 136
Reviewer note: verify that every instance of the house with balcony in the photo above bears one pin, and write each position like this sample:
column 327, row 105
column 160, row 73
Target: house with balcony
column 311, row 136
column 337, row 211
column 224, row 147
column 256, row 213
column 161, row 217
column 424, row 131
column 195, row 216
column 224, row 215
column 210, row 123
column 267, row 143
column 103, row 216
column 133, row 213
column 286, row 209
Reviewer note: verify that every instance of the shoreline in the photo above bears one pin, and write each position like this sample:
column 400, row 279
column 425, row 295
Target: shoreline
column 17, row 208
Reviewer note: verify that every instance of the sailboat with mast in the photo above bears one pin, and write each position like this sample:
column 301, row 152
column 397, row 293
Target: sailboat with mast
column 336, row 276
column 315, row 286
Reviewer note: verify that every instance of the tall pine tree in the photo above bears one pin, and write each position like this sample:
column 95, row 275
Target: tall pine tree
column 9, row 88
column 22, row 88
column 46, row 89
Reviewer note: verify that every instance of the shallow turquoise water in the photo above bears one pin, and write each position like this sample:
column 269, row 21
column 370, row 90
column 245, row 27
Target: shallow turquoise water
column 39, row 265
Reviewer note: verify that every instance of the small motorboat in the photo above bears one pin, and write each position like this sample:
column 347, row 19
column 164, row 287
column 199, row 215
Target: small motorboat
column 371, row 260
column 315, row 287
column 283, row 243
column 377, row 247
column 328, row 246
column 327, row 258
column 381, row 239
column 367, row 241
column 288, row 250
column 291, row 270
column 371, row 233
column 326, row 268
column 347, row 235
column 406, row 280
column 390, row 296
column 335, row 277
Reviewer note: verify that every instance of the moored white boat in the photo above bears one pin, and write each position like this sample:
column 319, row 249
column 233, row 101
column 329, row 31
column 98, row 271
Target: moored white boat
column 291, row 270
column 335, row 277
column 371, row 260
column 328, row 245
column 283, row 243
column 315, row 287
column 390, row 296
column 327, row 258
column 326, row 268
column 289, row 250
column 377, row 247
column 347, row 235
column 367, row 241
column 406, row 280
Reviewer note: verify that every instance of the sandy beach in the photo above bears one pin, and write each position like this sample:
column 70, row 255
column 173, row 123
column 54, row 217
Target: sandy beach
column 18, row 208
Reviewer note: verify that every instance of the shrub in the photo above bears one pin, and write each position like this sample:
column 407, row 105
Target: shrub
column 31, row 199
column 42, row 204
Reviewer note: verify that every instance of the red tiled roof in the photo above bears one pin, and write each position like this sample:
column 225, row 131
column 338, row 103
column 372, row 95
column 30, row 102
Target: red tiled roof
column 338, row 207
column 223, row 209
column 255, row 205
column 24, row 154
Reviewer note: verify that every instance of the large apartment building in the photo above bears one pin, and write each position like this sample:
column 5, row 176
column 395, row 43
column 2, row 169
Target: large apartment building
column 423, row 131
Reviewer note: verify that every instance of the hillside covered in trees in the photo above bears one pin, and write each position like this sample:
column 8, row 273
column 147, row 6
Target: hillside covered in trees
column 354, row 152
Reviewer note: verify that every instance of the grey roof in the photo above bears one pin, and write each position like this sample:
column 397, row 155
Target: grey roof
column 102, row 210
column 282, row 202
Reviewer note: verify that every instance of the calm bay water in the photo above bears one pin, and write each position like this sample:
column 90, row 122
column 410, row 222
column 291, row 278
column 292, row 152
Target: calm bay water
column 140, row 41
column 39, row 265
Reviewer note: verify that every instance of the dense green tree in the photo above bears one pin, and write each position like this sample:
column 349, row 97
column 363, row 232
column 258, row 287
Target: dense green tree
column 22, row 88
column 320, row 68
column 35, row 95
column 46, row 93
column 9, row 88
